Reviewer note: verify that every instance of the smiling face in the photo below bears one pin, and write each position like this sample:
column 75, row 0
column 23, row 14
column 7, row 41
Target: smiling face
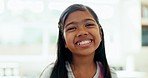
column 81, row 33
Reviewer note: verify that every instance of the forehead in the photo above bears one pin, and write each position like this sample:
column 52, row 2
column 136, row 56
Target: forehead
column 78, row 16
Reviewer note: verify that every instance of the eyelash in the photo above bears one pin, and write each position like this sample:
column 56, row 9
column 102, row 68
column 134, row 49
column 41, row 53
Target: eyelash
column 89, row 25
column 70, row 29
column 74, row 28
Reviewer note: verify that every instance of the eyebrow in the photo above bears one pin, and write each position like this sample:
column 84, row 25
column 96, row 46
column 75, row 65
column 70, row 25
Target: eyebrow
column 70, row 23
column 88, row 19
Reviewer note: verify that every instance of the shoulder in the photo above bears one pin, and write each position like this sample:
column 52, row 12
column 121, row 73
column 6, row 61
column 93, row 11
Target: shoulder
column 47, row 71
column 113, row 73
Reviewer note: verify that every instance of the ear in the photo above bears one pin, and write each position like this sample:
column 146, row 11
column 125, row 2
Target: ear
column 65, row 46
column 100, row 31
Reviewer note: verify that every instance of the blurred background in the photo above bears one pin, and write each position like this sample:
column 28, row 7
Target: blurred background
column 29, row 30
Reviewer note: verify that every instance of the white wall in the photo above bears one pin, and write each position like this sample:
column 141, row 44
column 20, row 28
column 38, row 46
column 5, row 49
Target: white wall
column 130, row 28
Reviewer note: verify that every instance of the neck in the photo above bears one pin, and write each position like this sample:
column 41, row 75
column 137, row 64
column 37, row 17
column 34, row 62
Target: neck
column 82, row 65
column 83, row 61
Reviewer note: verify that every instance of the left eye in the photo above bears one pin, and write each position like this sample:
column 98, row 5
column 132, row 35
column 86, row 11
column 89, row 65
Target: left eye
column 88, row 25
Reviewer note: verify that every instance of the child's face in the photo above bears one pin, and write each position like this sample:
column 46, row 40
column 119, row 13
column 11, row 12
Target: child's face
column 81, row 33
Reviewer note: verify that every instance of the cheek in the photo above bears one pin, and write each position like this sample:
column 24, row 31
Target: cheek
column 68, row 39
column 97, row 37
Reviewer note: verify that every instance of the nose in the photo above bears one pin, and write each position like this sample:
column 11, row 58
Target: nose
column 82, row 32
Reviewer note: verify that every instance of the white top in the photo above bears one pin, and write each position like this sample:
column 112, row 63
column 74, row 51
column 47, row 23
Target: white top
column 47, row 71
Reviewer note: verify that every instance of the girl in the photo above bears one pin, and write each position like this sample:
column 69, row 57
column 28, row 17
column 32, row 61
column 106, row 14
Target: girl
column 80, row 47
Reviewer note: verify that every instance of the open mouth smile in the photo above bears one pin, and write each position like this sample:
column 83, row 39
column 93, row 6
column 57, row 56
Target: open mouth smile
column 84, row 43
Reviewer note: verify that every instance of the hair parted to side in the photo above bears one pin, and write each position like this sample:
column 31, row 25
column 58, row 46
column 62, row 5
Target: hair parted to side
column 64, row 54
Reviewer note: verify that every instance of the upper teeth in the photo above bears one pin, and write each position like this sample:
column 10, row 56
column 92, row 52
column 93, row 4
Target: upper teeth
column 84, row 42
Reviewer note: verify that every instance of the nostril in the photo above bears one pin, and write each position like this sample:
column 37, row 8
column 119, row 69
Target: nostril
column 85, row 34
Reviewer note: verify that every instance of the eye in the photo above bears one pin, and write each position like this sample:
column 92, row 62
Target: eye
column 71, row 29
column 90, row 25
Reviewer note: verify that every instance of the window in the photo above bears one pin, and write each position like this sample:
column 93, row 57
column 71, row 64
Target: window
column 145, row 36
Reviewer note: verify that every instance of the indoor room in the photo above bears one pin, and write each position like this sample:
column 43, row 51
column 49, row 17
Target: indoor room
column 29, row 32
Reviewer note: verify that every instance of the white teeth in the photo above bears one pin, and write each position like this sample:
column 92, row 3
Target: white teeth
column 84, row 42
